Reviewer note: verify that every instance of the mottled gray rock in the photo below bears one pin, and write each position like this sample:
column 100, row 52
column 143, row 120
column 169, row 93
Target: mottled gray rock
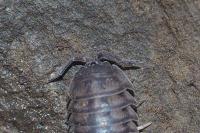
column 37, row 37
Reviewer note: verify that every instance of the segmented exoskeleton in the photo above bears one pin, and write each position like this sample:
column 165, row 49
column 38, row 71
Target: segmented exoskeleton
column 102, row 97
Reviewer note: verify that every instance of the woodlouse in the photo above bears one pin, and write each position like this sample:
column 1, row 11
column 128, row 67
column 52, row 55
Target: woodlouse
column 102, row 97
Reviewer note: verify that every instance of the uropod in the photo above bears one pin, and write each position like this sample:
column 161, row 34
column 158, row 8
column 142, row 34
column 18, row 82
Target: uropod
column 101, row 96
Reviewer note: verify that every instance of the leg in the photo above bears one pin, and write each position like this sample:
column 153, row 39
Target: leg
column 140, row 103
column 68, row 122
column 73, row 62
column 142, row 127
column 69, row 102
column 125, row 65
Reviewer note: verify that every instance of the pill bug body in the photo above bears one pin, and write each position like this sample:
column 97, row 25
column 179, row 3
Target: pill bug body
column 102, row 97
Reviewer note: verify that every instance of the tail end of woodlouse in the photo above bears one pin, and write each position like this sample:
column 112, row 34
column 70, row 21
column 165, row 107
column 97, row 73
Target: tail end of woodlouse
column 142, row 127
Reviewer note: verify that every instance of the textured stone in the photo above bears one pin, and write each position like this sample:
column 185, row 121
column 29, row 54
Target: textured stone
column 37, row 37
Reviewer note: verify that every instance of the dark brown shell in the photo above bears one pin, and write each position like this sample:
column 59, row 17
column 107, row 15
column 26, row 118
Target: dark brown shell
column 101, row 102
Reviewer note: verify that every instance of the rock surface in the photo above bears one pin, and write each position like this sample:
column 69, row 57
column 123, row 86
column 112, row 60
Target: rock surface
column 38, row 37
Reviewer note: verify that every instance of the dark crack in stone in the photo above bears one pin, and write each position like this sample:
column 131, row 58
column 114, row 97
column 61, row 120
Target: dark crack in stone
column 38, row 37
